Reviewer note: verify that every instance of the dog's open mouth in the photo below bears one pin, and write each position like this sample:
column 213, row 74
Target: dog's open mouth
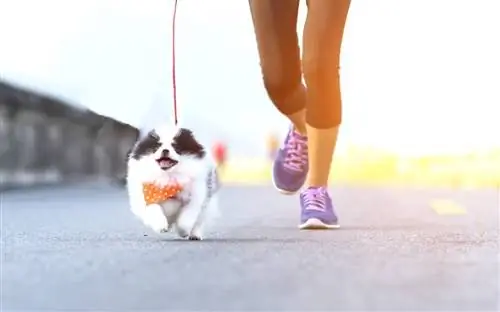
column 166, row 163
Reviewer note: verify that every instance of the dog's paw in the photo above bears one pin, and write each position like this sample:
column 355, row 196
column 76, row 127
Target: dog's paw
column 156, row 220
column 160, row 225
column 194, row 237
column 182, row 232
column 195, row 234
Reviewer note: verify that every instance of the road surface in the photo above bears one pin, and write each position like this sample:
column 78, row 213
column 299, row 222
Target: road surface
column 399, row 249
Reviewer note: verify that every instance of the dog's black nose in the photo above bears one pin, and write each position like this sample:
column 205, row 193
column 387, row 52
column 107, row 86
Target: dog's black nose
column 165, row 153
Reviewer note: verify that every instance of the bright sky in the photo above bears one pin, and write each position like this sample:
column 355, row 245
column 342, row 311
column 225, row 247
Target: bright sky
column 417, row 74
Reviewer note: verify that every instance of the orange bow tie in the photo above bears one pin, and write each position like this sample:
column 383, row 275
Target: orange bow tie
column 154, row 193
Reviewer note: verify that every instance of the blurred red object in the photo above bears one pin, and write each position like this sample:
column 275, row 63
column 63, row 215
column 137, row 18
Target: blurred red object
column 220, row 153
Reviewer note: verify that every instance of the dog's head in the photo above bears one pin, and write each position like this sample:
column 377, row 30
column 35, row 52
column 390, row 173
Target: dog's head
column 166, row 148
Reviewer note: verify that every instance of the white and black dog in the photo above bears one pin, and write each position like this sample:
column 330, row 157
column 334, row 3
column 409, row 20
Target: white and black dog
column 171, row 160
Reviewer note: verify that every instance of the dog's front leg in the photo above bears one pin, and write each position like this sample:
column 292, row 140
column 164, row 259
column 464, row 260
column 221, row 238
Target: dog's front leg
column 151, row 215
column 188, row 224
column 155, row 218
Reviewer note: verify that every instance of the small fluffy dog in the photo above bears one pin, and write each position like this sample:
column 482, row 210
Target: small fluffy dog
column 172, row 182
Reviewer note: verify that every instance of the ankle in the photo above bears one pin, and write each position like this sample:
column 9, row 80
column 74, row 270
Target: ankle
column 298, row 120
column 300, row 130
column 316, row 181
column 314, row 185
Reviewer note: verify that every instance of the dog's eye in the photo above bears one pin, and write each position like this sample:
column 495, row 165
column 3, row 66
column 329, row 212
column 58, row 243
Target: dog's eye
column 185, row 144
column 153, row 140
column 147, row 145
column 176, row 148
column 155, row 146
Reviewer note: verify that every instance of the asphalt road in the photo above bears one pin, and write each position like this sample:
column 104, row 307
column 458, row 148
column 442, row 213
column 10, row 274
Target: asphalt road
column 80, row 248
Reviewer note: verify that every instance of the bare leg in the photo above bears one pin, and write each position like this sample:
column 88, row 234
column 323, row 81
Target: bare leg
column 275, row 24
column 323, row 35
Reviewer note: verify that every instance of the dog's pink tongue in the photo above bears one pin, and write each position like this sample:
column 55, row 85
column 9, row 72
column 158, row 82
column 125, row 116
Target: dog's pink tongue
column 164, row 163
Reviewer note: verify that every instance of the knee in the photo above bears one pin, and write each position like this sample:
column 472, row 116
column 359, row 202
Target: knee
column 321, row 74
column 284, row 88
column 320, row 69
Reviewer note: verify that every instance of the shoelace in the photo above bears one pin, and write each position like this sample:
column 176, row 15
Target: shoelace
column 314, row 199
column 296, row 153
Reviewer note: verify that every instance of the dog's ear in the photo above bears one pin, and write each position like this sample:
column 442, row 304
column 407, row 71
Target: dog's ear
column 185, row 144
column 145, row 146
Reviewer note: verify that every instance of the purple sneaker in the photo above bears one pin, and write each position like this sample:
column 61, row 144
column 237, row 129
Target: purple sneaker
column 291, row 165
column 317, row 210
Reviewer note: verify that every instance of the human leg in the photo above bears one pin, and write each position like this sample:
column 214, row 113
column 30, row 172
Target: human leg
column 322, row 42
column 275, row 24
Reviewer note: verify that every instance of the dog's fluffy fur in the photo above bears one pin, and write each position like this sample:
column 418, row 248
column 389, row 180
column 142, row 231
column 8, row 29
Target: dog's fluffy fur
column 173, row 153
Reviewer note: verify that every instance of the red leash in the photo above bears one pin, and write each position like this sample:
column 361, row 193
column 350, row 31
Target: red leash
column 174, row 83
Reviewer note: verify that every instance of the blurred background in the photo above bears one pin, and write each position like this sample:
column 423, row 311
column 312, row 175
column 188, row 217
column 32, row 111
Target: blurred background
column 81, row 79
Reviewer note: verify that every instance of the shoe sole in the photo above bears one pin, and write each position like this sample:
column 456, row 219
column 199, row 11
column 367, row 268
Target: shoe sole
column 284, row 192
column 316, row 224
